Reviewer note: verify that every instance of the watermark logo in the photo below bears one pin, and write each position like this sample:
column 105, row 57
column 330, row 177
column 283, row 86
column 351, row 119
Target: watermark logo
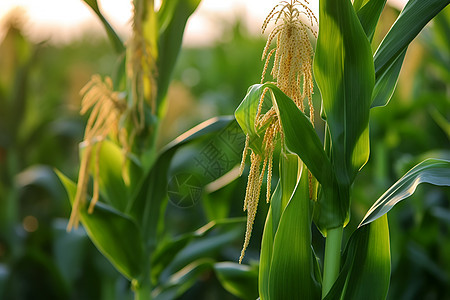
column 184, row 190
column 221, row 153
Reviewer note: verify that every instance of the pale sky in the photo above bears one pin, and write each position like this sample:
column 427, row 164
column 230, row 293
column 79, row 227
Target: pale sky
column 63, row 20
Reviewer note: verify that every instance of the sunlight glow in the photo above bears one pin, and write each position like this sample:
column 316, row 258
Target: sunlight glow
column 63, row 21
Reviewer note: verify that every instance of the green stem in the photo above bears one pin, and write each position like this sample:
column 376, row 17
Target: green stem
column 142, row 291
column 332, row 259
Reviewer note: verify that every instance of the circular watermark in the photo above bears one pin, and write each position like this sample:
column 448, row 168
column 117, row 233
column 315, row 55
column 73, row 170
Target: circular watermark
column 184, row 190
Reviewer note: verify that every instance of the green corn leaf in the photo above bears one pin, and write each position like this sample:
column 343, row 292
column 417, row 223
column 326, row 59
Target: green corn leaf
column 366, row 268
column 280, row 198
column 166, row 251
column 112, row 35
column 111, row 182
column 346, row 80
column 180, row 282
column 246, row 112
column 296, row 126
column 415, row 15
column 246, row 116
column 433, row 171
column 172, row 18
column 357, row 4
column 265, row 258
column 297, row 129
column 292, row 270
column 113, row 233
column 208, row 246
column 329, row 212
column 369, row 15
column 386, row 83
column 148, row 205
column 239, row 280
column 289, row 167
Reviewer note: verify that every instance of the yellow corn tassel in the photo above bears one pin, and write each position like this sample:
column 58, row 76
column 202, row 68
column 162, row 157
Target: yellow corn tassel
column 292, row 72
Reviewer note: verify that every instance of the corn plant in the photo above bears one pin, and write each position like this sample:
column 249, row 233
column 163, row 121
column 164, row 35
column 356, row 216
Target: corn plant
column 121, row 192
column 316, row 178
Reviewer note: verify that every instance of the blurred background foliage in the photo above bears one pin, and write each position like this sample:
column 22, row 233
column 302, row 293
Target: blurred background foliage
column 40, row 129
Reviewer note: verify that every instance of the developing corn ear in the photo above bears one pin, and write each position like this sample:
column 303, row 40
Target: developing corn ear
column 292, row 72
column 107, row 108
column 113, row 113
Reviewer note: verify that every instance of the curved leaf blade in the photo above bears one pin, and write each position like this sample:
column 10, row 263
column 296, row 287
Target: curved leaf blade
column 366, row 270
column 240, row 280
column 301, row 137
column 267, row 247
column 292, row 268
column 113, row 233
column 245, row 115
column 433, row 171
column 413, row 18
column 112, row 35
column 183, row 280
column 148, row 204
column 207, row 247
column 346, row 80
column 172, row 18
column 357, row 4
column 167, row 251
column 386, row 83
column 369, row 15
column 280, row 198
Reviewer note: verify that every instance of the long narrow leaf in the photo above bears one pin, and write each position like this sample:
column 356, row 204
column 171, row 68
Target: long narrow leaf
column 434, row 171
column 369, row 15
column 112, row 35
column 357, row 4
column 183, row 280
column 386, row 83
column 172, row 17
column 346, row 80
column 267, row 248
column 415, row 15
column 147, row 206
column 289, row 171
column 245, row 115
column 366, row 269
column 240, row 280
column 208, row 246
column 113, row 233
column 167, row 251
column 300, row 136
column 293, row 266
